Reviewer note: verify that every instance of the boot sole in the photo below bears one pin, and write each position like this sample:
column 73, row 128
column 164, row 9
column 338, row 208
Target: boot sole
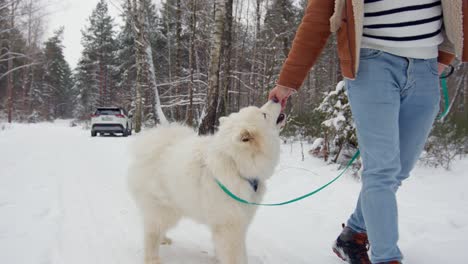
column 339, row 255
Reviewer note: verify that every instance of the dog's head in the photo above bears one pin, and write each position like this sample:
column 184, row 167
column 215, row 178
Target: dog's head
column 251, row 138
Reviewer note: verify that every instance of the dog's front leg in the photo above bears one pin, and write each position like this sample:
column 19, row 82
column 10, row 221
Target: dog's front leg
column 153, row 234
column 152, row 241
column 229, row 242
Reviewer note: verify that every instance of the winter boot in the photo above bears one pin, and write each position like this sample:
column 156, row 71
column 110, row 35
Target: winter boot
column 352, row 247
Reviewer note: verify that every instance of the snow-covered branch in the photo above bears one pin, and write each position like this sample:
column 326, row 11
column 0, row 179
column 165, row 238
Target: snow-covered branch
column 17, row 68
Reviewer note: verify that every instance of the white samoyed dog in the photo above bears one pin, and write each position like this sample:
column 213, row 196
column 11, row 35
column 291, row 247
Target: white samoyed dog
column 173, row 174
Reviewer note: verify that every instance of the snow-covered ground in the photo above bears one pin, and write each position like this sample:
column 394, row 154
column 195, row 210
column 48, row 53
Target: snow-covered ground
column 63, row 200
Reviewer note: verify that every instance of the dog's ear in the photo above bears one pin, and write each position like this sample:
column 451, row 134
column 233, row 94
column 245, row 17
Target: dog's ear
column 246, row 136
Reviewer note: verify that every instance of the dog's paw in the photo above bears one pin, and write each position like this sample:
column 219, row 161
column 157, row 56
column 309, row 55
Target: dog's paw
column 166, row 241
column 153, row 260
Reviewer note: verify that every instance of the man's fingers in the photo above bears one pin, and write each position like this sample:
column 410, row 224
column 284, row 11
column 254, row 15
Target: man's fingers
column 280, row 95
column 272, row 95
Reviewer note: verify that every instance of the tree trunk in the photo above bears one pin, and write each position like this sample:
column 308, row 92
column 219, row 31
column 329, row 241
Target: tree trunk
column 10, row 82
column 100, row 85
column 24, row 91
column 464, row 69
column 244, row 40
column 326, row 148
column 157, row 108
column 144, row 64
column 254, row 68
column 178, row 62
column 10, row 87
column 208, row 123
column 27, row 71
column 193, row 24
column 133, row 14
column 340, row 147
column 169, row 61
column 224, row 100
column 30, row 91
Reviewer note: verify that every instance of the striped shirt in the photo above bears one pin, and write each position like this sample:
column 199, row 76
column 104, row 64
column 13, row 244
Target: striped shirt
column 408, row 28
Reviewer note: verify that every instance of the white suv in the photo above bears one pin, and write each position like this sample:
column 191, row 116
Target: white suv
column 111, row 120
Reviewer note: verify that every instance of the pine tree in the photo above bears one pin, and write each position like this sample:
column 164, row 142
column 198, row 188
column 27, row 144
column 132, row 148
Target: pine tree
column 57, row 80
column 338, row 127
column 37, row 96
column 85, row 89
column 126, row 64
column 95, row 77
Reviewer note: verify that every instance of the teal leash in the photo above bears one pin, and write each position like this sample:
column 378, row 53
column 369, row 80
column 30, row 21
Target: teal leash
column 443, row 82
column 445, row 94
column 356, row 155
column 237, row 198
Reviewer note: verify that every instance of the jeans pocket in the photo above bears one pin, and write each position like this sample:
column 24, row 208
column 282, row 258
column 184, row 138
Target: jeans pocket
column 367, row 53
column 432, row 66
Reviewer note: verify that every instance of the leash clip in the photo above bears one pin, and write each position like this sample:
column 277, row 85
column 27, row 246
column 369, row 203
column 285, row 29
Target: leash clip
column 445, row 76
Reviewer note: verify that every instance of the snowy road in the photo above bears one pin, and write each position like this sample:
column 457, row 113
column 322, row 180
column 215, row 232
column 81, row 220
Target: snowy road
column 63, row 200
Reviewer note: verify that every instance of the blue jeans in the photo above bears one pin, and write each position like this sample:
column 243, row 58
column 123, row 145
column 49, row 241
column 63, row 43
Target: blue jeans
column 394, row 101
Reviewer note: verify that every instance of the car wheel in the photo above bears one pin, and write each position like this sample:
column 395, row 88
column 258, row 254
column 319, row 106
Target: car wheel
column 125, row 133
column 93, row 133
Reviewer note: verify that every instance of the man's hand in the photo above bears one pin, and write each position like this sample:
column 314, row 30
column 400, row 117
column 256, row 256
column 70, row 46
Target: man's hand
column 282, row 94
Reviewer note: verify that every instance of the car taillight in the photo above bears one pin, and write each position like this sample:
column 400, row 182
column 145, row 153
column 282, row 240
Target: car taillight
column 120, row 115
column 93, row 116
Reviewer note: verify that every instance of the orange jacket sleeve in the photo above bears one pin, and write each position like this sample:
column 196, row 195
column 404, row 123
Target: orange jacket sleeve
column 309, row 42
column 464, row 57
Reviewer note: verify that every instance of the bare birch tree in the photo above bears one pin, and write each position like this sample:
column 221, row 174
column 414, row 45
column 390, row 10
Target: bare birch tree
column 209, row 120
column 178, row 62
column 193, row 32
column 144, row 63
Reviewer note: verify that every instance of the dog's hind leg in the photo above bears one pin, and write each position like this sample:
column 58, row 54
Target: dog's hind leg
column 157, row 220
column 229, row 242
column 166, row 241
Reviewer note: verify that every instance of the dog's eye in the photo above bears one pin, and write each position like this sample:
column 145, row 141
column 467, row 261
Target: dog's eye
column 264, row 115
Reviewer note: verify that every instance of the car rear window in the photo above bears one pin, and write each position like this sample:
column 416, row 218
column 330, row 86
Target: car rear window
column 108, row 112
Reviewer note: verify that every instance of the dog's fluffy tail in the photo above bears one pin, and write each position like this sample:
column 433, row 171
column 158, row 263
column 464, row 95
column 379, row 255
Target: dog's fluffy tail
column 156, row 140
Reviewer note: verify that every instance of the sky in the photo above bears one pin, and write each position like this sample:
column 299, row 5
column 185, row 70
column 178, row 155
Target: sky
column 73, row 15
